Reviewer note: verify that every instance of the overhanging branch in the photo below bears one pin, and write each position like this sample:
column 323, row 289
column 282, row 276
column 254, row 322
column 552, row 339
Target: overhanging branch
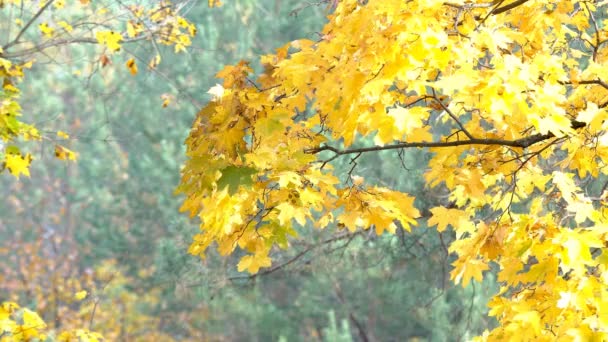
column 522, row 143
column 508, row 7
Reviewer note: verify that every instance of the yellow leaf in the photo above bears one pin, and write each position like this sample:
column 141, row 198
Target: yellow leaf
column 288, row 211
column 132, row 66
column 442, row 217
column 17, row 164
column 529, row 319
column 131, row 30
column 215, row 3
column 253, row 263
column 154, row 62
column 63, row 135
column 46, row 30
column 80, row 295
column 166, row 100
column 64, row 153
column 32, row 320
column 465, row 270
column 67, row 27
column 7, row 309
column 110, row 39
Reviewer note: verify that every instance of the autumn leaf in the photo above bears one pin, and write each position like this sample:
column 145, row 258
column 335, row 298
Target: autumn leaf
column 132, row 66
column 167, row 99
column 443, row 217
column 64, row 153
column 80, row 295
column 215, row 3
column 464, row 272
column 104, row 60
column 67, row 27
column 154, row 62
column 253, row 263
column 234, row 176
column 46, row 30
column 18, row 164
column 110, row 39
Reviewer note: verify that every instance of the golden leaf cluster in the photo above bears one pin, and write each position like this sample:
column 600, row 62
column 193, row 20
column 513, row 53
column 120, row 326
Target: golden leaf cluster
column 511, row 99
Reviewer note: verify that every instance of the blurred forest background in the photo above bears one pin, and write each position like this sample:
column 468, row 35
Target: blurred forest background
column 109, row 223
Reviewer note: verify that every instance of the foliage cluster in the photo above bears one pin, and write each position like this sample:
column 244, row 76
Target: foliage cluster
column 510, row 98
column 484, row 119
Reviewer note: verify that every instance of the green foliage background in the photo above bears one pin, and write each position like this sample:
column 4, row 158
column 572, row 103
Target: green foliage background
column 117, row 201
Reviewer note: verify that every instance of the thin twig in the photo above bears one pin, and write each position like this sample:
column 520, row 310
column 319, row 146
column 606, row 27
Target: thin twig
column 522, row 142
column 28, row 24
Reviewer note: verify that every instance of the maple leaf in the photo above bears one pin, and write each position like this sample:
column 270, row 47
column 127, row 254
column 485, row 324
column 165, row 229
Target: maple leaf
column 465, row 271
column 80, row 295
column 234, row 176
column 64, row 153
column 18, row 164
column 46, row 30
column 132, row 66
column 253, row 263
column 442, row 217
column 110, row 39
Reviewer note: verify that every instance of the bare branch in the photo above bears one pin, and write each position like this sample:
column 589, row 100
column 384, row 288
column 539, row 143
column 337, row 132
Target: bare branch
column 27, row 25
column 293, row 259
column 523, row 143
column 62, row 42
column 508, row 7
column 454, row 117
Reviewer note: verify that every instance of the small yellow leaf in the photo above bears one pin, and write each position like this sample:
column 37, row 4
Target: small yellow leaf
column 17, row 164
column 215, row 3
column 166, row 100
column 63, row 135
column 253, row 263
column 28, row 64
column 132, row 66
column 110, row 39
column 80, row 295
column 31, row 320
column 46, row 30
column 131, row 30
column 67, row 27
column 154, row 62
column 64, row 153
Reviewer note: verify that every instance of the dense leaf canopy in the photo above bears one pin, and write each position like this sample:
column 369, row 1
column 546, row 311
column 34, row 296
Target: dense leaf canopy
column 509, row 97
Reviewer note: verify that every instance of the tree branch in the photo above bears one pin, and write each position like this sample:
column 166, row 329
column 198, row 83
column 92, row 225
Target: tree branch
column 454, row 117
column 523, row 143
column 61, row 42
column 27, row 25
column 508, row 7
column 294, row 258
